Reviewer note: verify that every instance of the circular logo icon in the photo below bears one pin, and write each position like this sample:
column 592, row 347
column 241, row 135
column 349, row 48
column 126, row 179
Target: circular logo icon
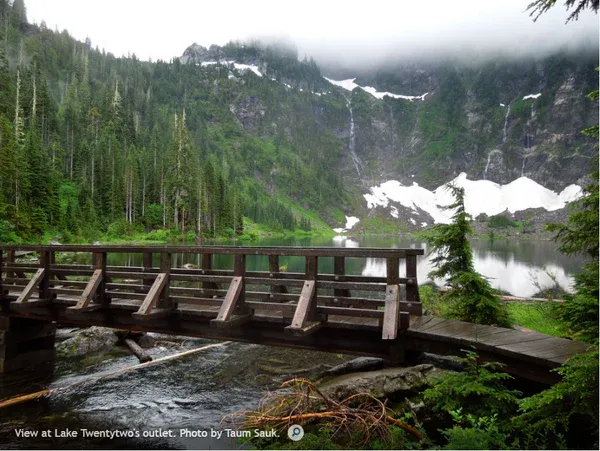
column 295, row 432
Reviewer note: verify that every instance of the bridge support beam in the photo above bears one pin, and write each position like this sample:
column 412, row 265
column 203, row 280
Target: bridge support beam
column 26, row 343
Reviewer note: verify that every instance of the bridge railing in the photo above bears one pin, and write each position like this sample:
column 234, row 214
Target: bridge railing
column 303, row 301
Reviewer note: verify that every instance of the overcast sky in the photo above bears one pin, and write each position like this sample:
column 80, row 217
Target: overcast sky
column 347, row 29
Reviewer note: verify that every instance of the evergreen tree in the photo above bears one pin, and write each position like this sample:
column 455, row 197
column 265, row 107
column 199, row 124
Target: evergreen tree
column 471, row 298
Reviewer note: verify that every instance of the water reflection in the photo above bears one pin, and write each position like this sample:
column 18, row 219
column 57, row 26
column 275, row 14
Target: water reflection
column 514, row 266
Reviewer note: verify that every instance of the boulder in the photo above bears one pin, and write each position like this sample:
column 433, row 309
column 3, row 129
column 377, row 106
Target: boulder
column 389, row 383
column 85, row 341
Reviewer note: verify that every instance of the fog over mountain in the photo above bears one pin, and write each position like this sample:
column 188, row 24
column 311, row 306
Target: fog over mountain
column 333, row 31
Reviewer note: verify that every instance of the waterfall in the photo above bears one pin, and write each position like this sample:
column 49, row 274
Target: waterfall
column 505, row 134
column 523, row 167
column 357, row 163
column 485, row 171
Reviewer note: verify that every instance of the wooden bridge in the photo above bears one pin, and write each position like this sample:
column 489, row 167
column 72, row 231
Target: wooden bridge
column 312, row 309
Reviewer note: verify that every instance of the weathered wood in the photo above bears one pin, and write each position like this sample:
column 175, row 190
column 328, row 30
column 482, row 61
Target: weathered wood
column 89, row 292
column 44, row 284
column 207, row 265
column 339, row 269
column 391, row 315
column 142, row 355
column 165, row 268
column 304, row 320
column 392, row 266
column 274, row 272
column 412, row 290
column 367, row 252
column 10, row 260
column 33, row 283
column 2, row 265
column 229, row 313
column 152, row 298
column 147, row 262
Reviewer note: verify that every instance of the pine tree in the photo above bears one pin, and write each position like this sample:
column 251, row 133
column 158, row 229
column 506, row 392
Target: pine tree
column 472, row 298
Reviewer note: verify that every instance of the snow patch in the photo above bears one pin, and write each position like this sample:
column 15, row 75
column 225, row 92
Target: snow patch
column 423, row 224
column 481, row 196
column 413, row 222
column 532, row 96
column 351, row 221
column 394, row 212
column 502, row 105
column 238, row 66
column 350, row 85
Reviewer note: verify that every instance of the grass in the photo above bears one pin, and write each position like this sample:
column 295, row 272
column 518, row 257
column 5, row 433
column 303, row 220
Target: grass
column 538, row 316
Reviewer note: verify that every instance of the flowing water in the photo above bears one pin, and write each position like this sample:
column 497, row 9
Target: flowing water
column 195, row 393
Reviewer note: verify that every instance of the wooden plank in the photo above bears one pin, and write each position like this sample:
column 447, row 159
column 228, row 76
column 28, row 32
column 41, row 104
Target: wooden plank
column 392, row 271
column 229, row 305
column 28, row 291
column 272, row 306
column 151, row 299
column 434, row 322
column 354, row 312
column 89, row 292
column 339, row 269
column 420, row 322
column 303, row 322
column 391, row 314
column 100, row 260
column 274, row 272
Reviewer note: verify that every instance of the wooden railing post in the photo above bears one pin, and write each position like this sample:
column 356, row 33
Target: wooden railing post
column 44, row 287
column 412, row 289
column 339, row 269
column 305, row 319
column 165, row 268
column 10, row 260
column 2, row 293
column 239, row 270
column 274, row 270
column 147, row 268
column 207, row 266
column 100, row 264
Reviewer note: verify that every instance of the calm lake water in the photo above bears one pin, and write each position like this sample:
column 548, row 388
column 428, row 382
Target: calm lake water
column 517, row 267
column 195, row 393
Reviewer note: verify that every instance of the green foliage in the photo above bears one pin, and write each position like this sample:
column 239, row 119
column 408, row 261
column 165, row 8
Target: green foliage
column 479, row 390
column 546, row 417
column 478, row 433
column 501, row 222
column 471, row 298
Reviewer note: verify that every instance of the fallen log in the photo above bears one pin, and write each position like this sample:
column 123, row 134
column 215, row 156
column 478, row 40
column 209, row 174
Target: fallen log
column 40, row 394
column 142, row 355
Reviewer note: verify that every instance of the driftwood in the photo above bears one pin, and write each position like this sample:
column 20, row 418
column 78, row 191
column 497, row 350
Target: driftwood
column 444, row 290
column 302, row 402
column 48, row 392
column 142, row 355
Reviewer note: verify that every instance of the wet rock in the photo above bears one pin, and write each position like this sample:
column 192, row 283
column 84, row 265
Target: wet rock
column 85, row 341
column 146, row 341
column 389, row 383
column 359, row 364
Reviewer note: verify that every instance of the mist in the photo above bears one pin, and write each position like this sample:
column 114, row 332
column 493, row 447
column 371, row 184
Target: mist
column 334, row 32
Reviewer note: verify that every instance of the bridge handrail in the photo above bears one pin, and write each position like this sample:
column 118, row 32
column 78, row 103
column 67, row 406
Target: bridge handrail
column 293, row 251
